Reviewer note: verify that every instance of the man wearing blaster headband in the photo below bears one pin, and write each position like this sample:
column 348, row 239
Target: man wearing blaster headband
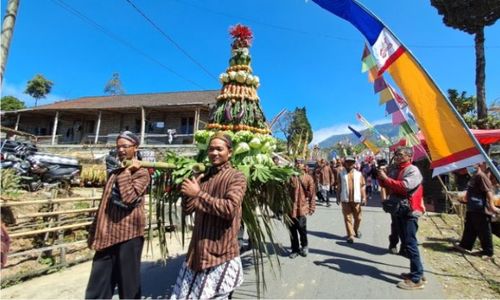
column 117, row 233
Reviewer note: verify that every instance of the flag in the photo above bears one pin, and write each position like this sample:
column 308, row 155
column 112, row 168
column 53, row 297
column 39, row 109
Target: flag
column 450, row 144
column 391, row 107
column 386, row 95
column 398, row 117
column 372, row 129
column 369, row 144
column 399, row 99
column 379, row 84
column 369, row 64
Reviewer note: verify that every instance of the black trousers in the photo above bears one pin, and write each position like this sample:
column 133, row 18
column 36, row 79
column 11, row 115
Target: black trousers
column 119, row 265
column 397, row 233
column 298, row 228
column 477, row 224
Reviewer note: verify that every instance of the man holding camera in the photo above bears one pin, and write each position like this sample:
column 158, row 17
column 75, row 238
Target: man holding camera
column 405, row 182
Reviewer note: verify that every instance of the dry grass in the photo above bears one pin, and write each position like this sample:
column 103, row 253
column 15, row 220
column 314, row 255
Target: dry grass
column 462, row 275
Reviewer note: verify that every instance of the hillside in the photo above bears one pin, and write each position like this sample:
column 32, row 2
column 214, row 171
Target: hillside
column 385, row 129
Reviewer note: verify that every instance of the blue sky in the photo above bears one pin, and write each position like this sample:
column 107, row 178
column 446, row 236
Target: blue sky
column 304, row 55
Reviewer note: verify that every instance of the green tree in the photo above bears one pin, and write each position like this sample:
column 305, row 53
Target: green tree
column 11, row 103
column 466, row 106
column 299, row 131
column 114, row 86
column 38, row 87
column 472, row 17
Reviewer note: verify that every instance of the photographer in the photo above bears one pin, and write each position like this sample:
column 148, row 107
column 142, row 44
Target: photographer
column 117, row 233
column 404, row 182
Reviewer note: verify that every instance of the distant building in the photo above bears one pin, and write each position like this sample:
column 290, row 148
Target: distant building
column 98, row 120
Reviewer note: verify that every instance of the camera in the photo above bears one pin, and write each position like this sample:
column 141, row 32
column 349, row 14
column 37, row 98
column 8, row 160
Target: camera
column 381, row 163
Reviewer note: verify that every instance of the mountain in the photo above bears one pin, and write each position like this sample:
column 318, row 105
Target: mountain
column 387, row 129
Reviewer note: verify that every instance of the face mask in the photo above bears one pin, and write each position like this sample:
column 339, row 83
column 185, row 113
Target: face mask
column 471, row 169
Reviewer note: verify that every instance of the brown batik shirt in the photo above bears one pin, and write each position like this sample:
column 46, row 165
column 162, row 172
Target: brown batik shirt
column 303, row 192
column 114, row 224
column 217, row 218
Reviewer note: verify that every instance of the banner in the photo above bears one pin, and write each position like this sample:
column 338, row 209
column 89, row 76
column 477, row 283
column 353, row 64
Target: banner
column 450, row 146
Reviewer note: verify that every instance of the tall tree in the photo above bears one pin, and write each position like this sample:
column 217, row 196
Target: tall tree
column 299, row 130
column 114, row 86
column 11, row 103
column 472, row 17
column 38, row 87
column 466, row 106
column 9, row 21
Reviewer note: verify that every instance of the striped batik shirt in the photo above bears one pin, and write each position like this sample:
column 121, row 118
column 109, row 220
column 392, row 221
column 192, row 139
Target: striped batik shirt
column 114, row 224
column 217, row 219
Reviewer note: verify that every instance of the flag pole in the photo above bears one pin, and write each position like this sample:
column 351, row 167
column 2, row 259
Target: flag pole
column 493, row 169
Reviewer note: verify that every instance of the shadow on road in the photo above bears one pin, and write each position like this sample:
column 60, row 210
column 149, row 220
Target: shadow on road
column 349, row 257
column 364, row 247
column 325, row 235
column 351, row 267
column 158, row 279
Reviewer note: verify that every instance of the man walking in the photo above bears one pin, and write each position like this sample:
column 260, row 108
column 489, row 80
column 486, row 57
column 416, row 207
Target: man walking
column 303, row 205
column 405, row 182
column 325, row 180
column 352, row 194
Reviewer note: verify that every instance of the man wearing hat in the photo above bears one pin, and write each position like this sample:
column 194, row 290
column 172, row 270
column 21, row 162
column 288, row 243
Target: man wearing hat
column 351, row 193
column 325, row 180
column 302, row 193
column 117, row 233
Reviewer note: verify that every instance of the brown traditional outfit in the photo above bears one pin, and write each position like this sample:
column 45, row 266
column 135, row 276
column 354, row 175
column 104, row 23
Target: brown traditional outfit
column 213, row 268
column 303, row 192
column 325, row 180
column 117, row 235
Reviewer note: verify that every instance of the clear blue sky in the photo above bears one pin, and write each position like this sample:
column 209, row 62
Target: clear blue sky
column 304, row 55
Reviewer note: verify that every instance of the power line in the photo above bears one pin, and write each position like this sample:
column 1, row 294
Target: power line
column 321, row 35
column 113, row 36
column 171, row 40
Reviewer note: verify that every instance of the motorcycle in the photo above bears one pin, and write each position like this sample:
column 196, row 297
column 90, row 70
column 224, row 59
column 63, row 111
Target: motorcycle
column 39, row 169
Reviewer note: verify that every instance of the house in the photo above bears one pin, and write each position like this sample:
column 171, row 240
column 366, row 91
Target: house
column 98, row 120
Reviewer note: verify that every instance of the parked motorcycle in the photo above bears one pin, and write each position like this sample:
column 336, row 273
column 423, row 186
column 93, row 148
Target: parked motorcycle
column 39, row 169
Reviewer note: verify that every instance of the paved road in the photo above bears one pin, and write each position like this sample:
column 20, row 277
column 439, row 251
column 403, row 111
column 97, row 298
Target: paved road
column 333, row 269
column 336, row 269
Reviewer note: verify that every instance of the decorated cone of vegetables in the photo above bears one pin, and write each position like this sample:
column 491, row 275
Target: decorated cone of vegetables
column 238, row 113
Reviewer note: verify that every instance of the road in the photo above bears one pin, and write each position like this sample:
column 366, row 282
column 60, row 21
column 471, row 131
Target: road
column 333, row 268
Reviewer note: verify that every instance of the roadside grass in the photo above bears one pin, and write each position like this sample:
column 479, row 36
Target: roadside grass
column 462, row 275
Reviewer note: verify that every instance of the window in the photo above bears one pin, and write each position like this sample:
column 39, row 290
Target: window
column 187, row 125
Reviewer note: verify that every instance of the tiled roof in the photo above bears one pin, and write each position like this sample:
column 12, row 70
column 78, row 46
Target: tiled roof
column 132, row 101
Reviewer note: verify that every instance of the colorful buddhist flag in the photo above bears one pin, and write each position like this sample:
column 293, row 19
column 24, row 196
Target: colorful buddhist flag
column 386, row 95
column 398, row 117
column 369, row 144
column 391, row 107
column 450, row 143
column 379, row 84
column 373, row 129
column 369, row 64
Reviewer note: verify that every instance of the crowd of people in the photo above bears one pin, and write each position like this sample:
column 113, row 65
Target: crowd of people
column 212, row 268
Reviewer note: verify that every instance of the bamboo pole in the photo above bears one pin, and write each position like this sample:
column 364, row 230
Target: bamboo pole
column 33, row 202
column 63, row 212
column 33, row 232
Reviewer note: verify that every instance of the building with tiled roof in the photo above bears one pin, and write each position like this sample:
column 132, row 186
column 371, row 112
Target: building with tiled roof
column 97, row 120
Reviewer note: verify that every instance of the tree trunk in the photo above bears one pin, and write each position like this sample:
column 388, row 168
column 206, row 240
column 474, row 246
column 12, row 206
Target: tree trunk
column 482, row 111
column 7, row 30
